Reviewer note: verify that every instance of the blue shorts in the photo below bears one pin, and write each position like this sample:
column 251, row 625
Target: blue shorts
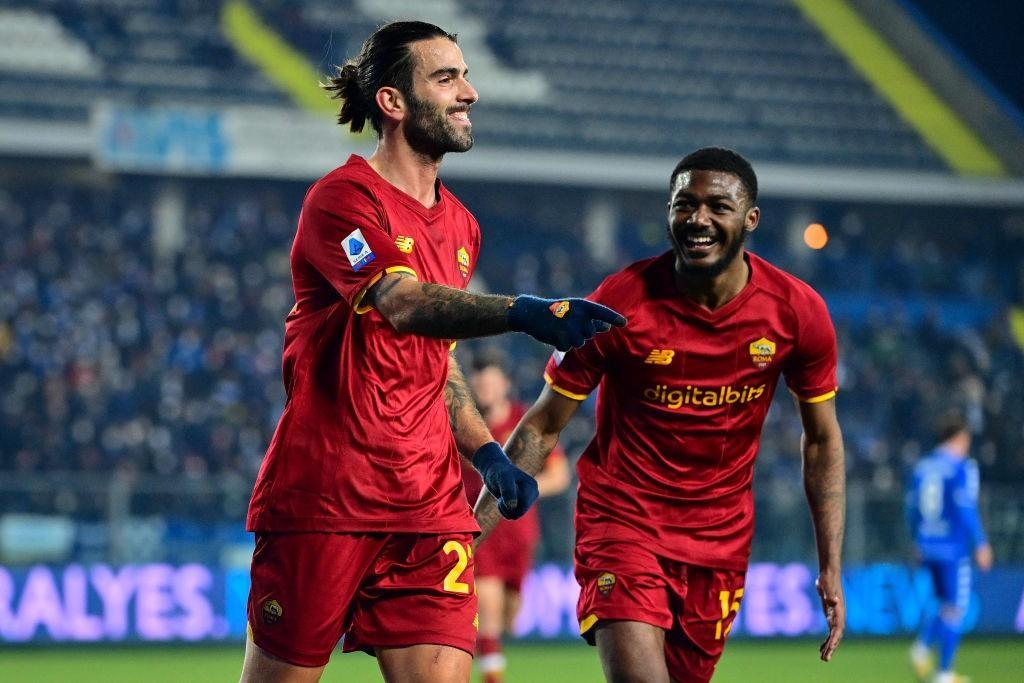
column 952, row 579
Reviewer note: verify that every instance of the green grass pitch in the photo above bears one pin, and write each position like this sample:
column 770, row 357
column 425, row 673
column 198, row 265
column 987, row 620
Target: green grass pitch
column 881, row 661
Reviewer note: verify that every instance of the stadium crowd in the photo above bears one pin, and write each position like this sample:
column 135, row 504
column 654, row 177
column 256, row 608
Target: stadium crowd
column 121, row 354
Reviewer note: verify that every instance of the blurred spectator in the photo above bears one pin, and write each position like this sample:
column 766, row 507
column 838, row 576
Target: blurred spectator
column 115, row 359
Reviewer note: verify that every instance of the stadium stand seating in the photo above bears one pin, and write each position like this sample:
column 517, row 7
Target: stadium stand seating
column 171, row 364
column 564, row 76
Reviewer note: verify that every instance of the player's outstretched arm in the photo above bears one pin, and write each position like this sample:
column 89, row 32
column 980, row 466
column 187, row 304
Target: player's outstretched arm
column 515, row 489
column 528, row 447
column 445, row 312
column 825, row 486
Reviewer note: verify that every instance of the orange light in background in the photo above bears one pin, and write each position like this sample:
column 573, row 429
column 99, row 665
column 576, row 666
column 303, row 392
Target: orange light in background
column 815, row 236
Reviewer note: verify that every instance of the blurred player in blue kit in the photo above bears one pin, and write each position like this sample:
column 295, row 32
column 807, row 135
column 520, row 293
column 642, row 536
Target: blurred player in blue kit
column 942, row 507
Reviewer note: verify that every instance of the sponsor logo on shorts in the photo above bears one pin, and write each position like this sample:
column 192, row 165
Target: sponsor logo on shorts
column 272, row 612
column 559, row 308
column 605, row 583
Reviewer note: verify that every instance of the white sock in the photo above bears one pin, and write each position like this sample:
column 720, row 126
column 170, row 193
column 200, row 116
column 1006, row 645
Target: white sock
column 493, row 662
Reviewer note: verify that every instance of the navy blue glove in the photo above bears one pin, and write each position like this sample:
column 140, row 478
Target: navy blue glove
column 515, row 490
column 563, row 323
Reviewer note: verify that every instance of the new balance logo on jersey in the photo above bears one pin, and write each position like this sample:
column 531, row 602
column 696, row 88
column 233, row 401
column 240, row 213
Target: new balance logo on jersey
column 404, row 244
column 660, row 357
column 357, row 250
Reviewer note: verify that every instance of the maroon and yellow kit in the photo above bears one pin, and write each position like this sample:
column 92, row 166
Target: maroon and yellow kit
column 508, row 552
column 665, row 484
column 364, row 446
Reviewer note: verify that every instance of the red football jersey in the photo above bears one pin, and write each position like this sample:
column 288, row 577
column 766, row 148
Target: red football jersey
column 526, row 529
column 683, row 395
column 364, row 443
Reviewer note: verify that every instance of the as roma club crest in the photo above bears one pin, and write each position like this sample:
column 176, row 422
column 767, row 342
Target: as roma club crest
column 559, row 308
column 272, row 612
column 605, row 583
column 762, row 352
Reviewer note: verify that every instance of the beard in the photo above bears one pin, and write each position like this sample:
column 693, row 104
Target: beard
column 711, row 270
column 430, row 133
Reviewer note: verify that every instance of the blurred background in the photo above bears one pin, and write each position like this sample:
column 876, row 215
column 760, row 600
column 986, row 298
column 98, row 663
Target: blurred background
column 153, row 158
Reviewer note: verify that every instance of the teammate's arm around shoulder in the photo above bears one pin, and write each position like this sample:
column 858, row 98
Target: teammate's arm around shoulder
column 528, row 447
column 825, row 486
column 434, row 310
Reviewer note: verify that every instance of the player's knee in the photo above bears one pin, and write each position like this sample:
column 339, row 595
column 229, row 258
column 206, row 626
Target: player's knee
column 261, row 666
column 634, row 667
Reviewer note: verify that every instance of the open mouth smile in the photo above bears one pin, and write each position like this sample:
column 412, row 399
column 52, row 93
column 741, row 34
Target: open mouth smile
column 699, row 244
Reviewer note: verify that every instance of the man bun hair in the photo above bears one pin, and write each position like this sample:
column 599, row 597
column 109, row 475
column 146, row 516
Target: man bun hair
column 722, row 160
column 385, row 60
column 345, row 87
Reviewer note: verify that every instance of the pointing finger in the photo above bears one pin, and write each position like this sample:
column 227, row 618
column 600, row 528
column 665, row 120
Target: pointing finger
column 606, row 314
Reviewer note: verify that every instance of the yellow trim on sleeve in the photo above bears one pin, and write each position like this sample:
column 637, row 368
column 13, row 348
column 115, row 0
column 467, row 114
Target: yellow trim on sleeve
column 564, row 392
column 819, row 399
column 359, row 297
column 587, row 623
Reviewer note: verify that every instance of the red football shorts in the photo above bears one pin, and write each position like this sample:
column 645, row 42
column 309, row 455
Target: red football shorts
column 507, row 553
column 624, row 580
column 378, row 590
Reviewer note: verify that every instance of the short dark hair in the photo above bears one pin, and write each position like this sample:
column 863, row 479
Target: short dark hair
column 950, row 424
column 490, row 356
column 384, row 60
column 719, row 159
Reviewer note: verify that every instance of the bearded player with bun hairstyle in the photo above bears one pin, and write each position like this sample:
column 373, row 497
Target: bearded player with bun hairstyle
column 362, row 525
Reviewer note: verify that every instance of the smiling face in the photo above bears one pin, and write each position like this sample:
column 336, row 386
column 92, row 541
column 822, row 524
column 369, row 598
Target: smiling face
column 709, row 218
column 438, row 105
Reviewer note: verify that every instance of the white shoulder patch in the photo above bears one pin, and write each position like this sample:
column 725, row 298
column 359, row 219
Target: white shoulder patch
column 357, row 249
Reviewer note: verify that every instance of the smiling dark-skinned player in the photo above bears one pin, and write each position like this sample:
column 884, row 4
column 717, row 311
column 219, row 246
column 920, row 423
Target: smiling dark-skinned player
column 665, row 511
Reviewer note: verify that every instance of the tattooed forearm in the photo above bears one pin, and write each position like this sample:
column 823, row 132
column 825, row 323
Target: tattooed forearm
column 527, row 448
column 825, row 487
column 454, row 314
column 438, row 311
column 468, row 426
column 456, row 395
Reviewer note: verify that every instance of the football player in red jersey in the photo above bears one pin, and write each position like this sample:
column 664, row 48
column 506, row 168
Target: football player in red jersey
column 664, row 513
column 503, row 563
column 362, row 525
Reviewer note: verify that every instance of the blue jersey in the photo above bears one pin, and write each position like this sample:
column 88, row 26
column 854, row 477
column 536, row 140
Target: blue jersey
column 942, row 506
